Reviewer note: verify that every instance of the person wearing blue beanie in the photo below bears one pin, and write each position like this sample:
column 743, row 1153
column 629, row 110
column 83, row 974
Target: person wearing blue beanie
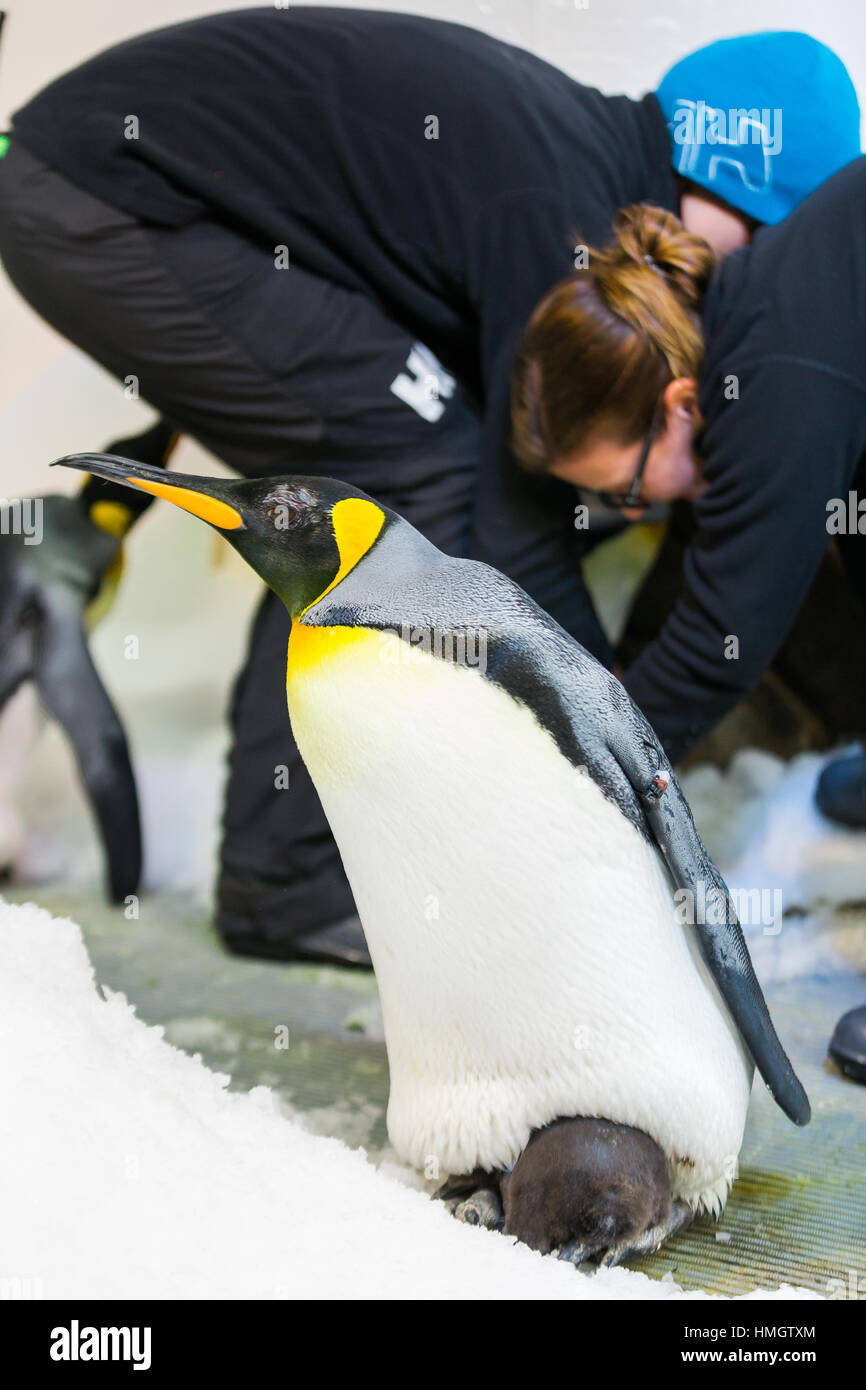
column 760, row 121
column 735, row 389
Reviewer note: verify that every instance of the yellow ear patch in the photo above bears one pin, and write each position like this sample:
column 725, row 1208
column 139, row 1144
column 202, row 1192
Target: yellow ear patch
column 206, row 508
column 356, row 524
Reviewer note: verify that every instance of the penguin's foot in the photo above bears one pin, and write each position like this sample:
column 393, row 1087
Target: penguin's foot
column 643, row 1244
column 483, row 1208
column 474, row 1198
column 591, row 1190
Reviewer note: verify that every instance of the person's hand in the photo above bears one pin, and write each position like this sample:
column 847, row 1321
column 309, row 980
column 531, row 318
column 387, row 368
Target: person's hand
column 55, row 565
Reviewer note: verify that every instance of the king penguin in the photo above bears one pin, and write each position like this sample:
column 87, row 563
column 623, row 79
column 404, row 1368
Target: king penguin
column 571, row 1015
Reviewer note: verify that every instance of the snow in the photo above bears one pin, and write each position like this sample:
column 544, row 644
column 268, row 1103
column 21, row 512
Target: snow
column 128, row 1170
column 759, row 821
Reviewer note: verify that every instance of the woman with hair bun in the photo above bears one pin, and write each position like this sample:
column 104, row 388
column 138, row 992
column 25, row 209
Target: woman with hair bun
column 654, row 374
column 612, row 356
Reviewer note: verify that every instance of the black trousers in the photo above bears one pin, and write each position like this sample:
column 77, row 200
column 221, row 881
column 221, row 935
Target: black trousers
column 275, row 371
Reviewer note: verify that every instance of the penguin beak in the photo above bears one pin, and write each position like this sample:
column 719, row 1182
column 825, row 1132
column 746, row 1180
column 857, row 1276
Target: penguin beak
column 206, row 498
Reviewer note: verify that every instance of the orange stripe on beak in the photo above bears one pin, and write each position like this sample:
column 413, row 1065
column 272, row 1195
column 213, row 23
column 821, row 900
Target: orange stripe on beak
column 207, row 508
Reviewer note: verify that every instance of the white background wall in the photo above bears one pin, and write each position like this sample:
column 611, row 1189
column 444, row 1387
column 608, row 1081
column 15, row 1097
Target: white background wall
column 52, row 400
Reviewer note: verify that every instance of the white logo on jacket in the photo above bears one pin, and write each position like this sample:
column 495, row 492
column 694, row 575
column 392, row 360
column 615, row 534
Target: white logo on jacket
column 428, row 384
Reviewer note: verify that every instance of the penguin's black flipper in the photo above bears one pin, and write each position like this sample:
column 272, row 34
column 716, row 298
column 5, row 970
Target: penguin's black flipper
column 72, row 692
column 723, row 945
column 49, row 575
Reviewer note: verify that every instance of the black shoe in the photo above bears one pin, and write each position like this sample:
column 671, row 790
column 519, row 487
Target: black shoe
column 848, row 1044
column 257, row 917
column 841, row 791
column 343, row 943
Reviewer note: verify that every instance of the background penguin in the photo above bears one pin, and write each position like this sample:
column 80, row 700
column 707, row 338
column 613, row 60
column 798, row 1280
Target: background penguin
column 52, row 593
column 557, row 1038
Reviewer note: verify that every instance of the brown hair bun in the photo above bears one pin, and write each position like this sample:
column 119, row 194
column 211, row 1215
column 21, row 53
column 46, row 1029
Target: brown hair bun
column 602, row 346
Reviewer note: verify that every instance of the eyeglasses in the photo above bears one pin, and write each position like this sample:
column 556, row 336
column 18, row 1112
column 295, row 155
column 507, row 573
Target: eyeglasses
column 632, row 498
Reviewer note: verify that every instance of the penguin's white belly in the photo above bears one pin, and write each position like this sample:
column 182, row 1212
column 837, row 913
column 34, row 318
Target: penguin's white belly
column 526, row 946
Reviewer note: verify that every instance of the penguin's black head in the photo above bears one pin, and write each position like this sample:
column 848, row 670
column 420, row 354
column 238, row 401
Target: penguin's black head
column 302, row 535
